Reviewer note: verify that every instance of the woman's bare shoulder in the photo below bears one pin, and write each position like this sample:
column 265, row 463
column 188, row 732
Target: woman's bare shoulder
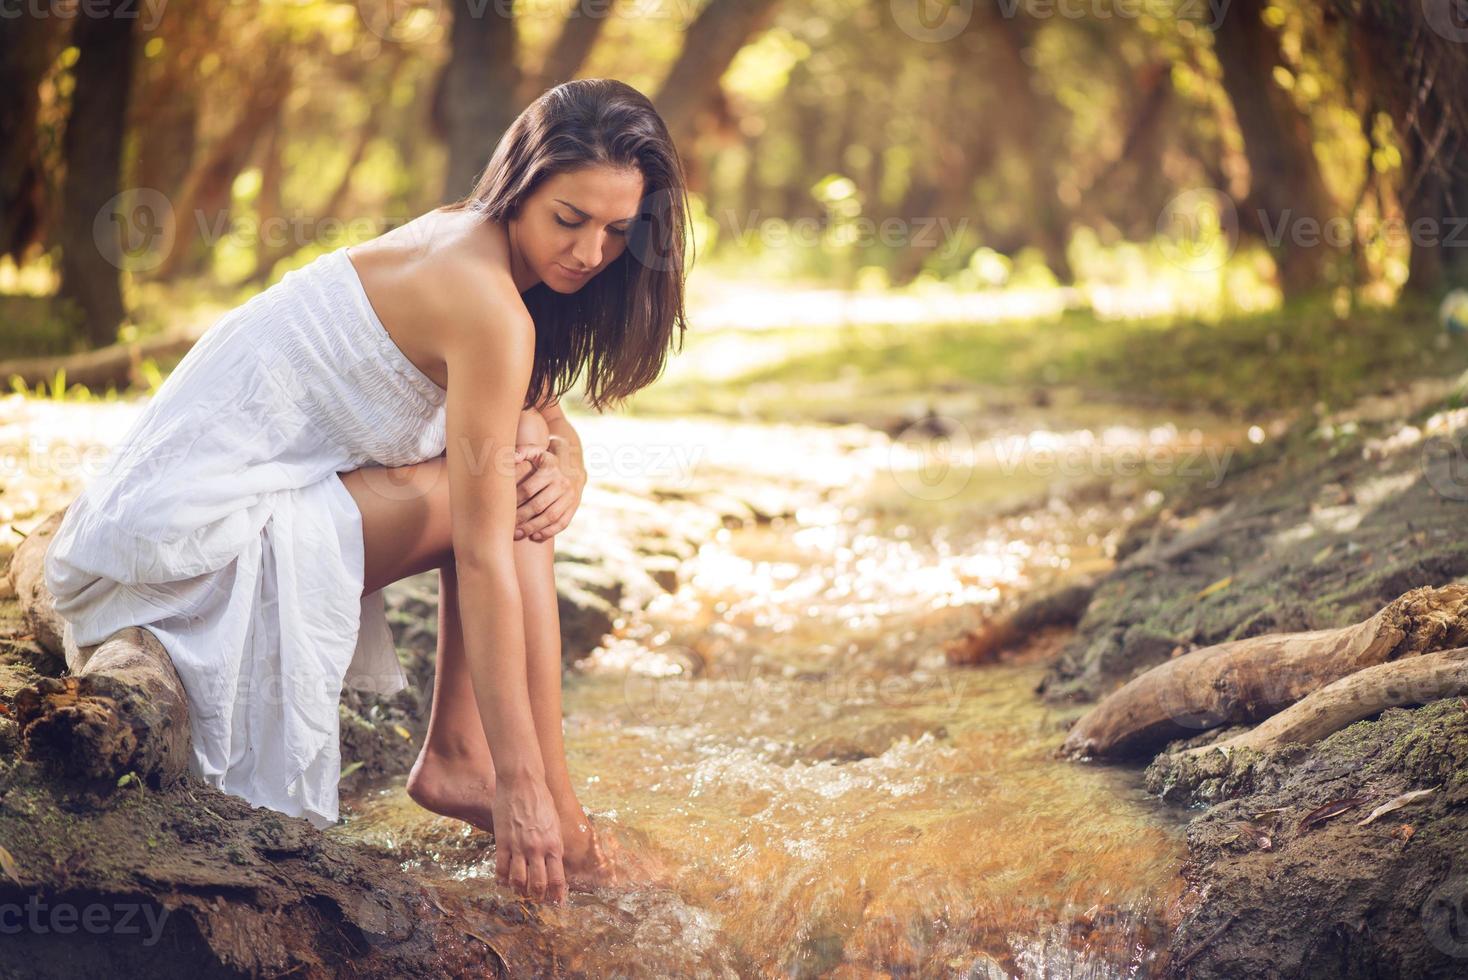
column 476, row 303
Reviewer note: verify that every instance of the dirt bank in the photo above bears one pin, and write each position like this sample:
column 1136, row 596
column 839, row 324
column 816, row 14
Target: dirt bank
column 1336, row 899
column 1319, row 529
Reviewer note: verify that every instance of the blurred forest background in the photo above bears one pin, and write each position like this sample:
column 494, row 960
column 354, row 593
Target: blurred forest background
column 975, row 192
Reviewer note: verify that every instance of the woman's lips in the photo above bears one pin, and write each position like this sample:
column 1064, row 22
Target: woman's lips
column 573, row 273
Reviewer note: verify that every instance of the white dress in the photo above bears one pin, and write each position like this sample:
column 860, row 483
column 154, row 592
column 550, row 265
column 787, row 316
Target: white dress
column 220, row 523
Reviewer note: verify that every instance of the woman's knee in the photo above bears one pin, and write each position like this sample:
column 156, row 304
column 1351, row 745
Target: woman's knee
column 533, row 432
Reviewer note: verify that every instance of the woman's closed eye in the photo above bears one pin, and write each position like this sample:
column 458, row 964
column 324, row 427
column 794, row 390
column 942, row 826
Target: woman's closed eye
column 567, row 224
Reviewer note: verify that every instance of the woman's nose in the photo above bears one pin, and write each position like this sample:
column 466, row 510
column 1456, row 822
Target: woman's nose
column 588, row 251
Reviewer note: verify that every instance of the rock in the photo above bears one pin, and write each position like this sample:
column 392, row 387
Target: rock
column 585, row 618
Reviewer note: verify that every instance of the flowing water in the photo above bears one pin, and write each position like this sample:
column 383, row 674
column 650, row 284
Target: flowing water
column 806, row 784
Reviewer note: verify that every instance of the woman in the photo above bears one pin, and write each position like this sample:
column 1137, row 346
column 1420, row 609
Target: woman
column 304, row 454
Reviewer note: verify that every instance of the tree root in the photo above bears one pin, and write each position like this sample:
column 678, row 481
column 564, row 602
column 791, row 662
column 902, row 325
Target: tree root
column 1368, row 692
column 1246, row 681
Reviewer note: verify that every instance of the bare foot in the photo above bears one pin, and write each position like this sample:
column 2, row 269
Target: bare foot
column 460, row 789
column 588, row 860
column 455, row 788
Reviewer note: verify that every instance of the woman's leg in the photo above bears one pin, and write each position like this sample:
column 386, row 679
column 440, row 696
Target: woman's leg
column 535, row 571
column 407, row 529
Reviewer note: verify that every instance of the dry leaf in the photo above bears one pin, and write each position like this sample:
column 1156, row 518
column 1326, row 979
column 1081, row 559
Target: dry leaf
column 432, row 897
column 403, row 732
column 7, row 864
column 1334, row 808
column 1393, row 804
column 1218, row 586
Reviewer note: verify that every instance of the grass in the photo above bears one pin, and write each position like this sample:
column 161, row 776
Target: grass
column 1296, row 357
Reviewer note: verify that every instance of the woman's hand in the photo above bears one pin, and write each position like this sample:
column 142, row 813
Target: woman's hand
column 548, row 495
column 527, row 839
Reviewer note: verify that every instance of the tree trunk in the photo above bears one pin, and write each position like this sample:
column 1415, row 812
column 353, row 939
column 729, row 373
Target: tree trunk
column 1416, row 71
column 721, row 29
column 90, row 274
column 570, row 51
column 1034, row 119
column 28, row 45
column 475, row 100
column 204, row 204
column 1286, row 191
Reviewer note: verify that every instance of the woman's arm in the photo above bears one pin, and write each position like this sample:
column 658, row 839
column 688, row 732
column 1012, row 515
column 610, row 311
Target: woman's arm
column 565, row 443
column 489, row 363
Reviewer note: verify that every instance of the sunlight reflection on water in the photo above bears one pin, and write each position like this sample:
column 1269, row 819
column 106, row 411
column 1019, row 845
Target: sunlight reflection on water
column 821, row 793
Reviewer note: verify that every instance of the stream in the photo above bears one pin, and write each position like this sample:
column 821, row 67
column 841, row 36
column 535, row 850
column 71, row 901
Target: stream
column 804, row 784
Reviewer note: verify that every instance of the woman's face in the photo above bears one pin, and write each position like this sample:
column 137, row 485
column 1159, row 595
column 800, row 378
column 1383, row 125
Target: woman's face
column 577, row 221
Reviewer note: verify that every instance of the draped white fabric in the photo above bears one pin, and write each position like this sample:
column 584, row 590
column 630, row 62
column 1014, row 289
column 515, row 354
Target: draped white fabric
column 220, row 523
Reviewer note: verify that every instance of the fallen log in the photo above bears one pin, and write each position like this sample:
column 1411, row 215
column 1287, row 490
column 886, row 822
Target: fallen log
column 1368, row 692
column 1246, row 681
column 121, row 709
column 1062, row 607
column 27, row 578
column 126, row 712
column 119, row 364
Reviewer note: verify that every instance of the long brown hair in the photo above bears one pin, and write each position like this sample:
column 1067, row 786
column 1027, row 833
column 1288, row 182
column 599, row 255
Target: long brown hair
column 619, row 326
